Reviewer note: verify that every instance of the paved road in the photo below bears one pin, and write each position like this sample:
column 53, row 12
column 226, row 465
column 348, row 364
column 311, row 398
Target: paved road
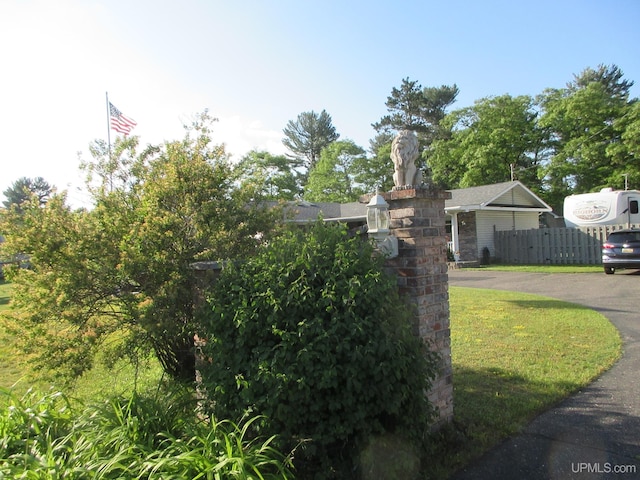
column 595, row 434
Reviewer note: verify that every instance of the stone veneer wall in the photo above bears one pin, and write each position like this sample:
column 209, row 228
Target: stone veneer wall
column 418, row 221
column 467, row 237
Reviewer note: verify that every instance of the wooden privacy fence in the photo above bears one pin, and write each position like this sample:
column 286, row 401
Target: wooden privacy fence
column 556, row 246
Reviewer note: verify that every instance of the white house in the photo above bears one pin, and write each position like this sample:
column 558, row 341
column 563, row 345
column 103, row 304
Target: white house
column 475, row 213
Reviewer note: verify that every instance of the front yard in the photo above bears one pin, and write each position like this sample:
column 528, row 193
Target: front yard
column 514, row 355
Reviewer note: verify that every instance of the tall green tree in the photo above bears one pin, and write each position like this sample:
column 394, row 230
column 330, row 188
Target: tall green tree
column 493, row 141
column 375, row 171
column 24, row 188
column 125, row 265
column 609, row 76
column 421, row 110
column 586, row 122
column 333, row 178
column 308, row 135
column 625, row 155
column 276, row 177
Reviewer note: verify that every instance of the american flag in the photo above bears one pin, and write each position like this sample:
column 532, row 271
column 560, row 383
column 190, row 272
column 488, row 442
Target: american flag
column 119, row 122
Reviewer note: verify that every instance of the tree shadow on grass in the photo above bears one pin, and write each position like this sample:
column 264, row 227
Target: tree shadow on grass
column 501, row 402
column 547, row 304
column 550, row 303
column 490, row 405
column 544, row 436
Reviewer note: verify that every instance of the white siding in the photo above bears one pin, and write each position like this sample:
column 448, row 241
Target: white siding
column 488, row 220
column 516, row 196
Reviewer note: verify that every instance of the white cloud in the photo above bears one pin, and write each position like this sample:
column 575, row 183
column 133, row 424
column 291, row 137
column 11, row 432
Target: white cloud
column 241, row 135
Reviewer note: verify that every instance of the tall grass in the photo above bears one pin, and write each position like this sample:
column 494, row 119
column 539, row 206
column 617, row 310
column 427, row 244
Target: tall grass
column 142, row 437
column 127, row 434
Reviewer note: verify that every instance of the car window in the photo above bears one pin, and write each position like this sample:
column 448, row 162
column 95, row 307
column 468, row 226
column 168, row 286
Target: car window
column 623, row 237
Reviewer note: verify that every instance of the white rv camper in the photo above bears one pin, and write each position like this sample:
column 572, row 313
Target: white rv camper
column 606, row 207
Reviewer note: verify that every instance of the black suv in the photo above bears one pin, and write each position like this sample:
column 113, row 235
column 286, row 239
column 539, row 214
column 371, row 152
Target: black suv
column 621, row 250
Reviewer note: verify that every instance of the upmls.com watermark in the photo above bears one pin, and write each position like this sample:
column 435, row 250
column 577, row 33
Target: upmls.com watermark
column 584, row 467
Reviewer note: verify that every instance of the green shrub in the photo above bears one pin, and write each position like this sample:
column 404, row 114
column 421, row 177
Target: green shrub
column 311, row 333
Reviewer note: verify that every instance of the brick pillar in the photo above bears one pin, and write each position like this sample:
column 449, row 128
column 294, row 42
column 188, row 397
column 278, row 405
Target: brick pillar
column 418, row 221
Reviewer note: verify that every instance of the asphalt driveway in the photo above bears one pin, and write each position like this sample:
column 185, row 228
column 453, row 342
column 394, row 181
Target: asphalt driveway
column 594, row 434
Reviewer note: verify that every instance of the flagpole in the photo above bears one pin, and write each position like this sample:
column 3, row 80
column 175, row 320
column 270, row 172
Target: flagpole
column 108, row 124
column 109, row 140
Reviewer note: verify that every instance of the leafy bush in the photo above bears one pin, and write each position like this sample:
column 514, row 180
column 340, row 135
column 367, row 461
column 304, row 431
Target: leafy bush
column 142, row 437
column 311, row 333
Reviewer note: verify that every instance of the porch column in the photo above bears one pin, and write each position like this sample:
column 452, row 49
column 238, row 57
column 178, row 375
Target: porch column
column 454, row 235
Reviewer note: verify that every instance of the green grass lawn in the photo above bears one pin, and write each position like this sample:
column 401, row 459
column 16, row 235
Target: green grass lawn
column 10, row 368
column 96, row 383
column 542, row 268
column 514, row 355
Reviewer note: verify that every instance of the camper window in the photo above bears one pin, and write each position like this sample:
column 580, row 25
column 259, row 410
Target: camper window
column 633, row 206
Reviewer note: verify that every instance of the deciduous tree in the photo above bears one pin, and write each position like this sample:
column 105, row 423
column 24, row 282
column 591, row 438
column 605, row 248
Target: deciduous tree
column 276, row 177
column 586, row 122
column 625, row 155
column 490, row 142
column 375, row 171
column 125, row 265
column 333, row 177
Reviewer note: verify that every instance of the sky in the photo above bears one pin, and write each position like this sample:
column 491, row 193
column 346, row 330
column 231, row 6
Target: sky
column 256, row 64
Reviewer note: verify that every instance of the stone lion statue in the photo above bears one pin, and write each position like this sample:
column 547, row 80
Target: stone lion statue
column 404, row 152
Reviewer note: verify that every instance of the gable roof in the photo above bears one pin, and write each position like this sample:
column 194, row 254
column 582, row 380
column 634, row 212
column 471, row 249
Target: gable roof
column 506, row 196
column 509, row 196
column 344, row 212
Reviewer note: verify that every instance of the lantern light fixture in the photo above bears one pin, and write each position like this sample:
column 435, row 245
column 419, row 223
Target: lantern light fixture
column 378, row 226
